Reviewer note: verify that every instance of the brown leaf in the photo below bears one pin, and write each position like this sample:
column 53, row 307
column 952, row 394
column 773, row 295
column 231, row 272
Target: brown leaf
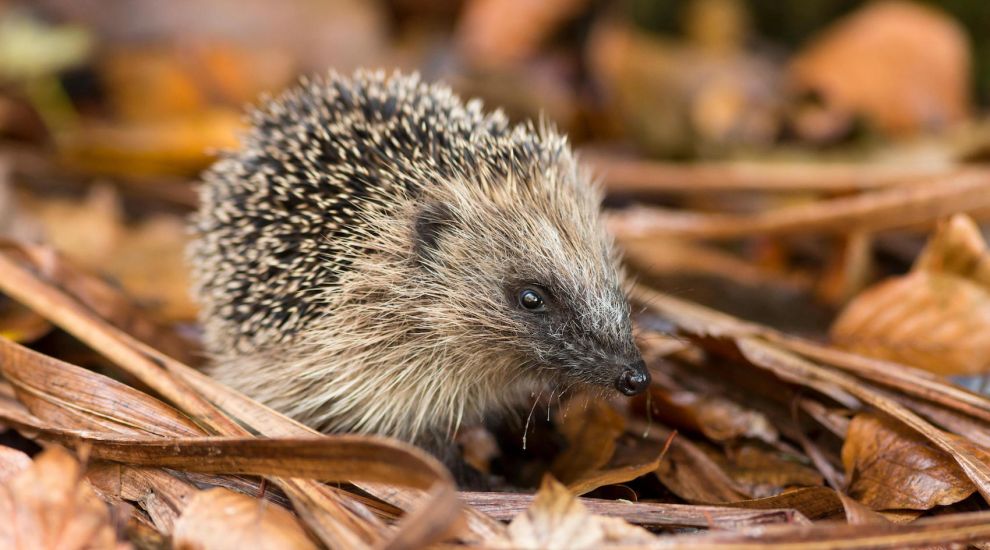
column 491, row 40
column 915, row 76
column 12, row 462
column 891, row 467
column 159, row 493
column 175, row 146
column 557, row 519
column 857, row 513
column 591, row 427
column 222, row 519
column 794, row 360
column 106, row 300
column 765, row 472
column 47, row 506
column 692, row 475
column 940, row 323
column 813, row 503
column 20, row 324
column 937, row 317
column 629, row 462
column 957, row 248
column 718, row 418
column 146, row 257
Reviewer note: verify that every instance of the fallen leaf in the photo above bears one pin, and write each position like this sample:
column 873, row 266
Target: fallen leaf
column 591, row 427
column 915, row 77
column 222, row 519
column 12, row 462
column 937, row 322
column 891, row 467
column 692, row 475
column 557, row 519
column 489, row 39
column 957, row 248
column 48, row 506
column 159, row 493
column 334, row 516
column 630, row 461
column 765, row 472
column 859, row 514
column 937, row 317
column 716, row 417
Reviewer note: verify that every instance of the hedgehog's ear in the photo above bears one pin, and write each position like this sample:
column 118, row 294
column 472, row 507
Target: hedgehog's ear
column 431, row 221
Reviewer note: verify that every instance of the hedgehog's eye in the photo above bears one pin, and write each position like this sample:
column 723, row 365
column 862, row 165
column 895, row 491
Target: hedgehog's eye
column 532, row 299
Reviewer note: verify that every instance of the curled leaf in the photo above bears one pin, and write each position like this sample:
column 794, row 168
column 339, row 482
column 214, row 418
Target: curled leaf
column 221, row 519
column 891, row 467
column 557, row 519
column 48, row 506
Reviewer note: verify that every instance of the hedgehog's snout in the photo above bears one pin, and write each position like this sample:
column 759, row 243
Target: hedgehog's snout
column 634, row 379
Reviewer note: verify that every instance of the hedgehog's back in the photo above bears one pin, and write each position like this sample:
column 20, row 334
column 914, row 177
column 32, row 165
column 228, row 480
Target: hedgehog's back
column 279, row 218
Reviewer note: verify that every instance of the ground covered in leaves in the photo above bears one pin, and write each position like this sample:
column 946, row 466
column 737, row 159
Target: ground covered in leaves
column 810, row 279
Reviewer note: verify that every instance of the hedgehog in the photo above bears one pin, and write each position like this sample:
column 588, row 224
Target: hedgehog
column 380, row 257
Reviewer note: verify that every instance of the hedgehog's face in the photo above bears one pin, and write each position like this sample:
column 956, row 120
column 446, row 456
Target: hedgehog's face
column 541, row 283
column 575, row 334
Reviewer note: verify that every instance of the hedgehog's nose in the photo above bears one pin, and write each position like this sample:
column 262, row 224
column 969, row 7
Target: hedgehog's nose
column 634, row 380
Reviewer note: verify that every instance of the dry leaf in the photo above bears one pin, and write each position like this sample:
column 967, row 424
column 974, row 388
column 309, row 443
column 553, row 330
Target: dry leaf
column 903, row 66
column 631, row 460
column 891, row 467
column 48, row 506
column 557, row 519
column 765, row 472
column 692, row 475
column 80, row 399
column 222, row 519
column 718, row 418
column 146, row 258
column 937, row 322
column 937, row 317
column 957, row 248
column 795, row 361
column 859, row 514
column 591, row 427
column 491, row 38
column 159, row 493
column 12, row 462
column 675, row 98
column 179, row 146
